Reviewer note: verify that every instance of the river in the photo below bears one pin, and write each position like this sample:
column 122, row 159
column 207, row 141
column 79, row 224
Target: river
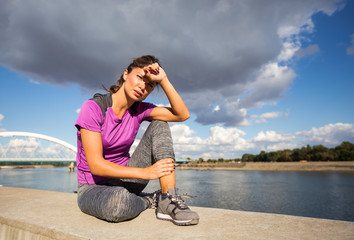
column 328, row 195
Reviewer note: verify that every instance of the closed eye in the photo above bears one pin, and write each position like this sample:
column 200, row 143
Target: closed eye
column 149, row 83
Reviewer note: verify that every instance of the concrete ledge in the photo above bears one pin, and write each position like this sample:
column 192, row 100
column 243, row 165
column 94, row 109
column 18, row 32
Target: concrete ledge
column 42, row 215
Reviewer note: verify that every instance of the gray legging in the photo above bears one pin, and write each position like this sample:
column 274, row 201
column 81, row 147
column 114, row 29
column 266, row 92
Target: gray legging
column 116, row 200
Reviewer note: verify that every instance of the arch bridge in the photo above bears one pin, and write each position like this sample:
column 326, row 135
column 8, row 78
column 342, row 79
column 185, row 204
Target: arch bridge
column 34, row 147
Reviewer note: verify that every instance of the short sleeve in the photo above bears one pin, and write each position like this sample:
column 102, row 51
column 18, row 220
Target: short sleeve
column 90, row 117
column 144, row 109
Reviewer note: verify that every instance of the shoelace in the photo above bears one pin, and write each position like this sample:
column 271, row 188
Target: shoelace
column 152, row 196
column 178, row 201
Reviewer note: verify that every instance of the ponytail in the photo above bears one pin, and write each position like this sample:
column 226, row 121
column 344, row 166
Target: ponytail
column 114, row 88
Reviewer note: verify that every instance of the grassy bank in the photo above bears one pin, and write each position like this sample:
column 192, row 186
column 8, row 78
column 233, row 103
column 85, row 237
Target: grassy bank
column 20, row 165
column 25, row 166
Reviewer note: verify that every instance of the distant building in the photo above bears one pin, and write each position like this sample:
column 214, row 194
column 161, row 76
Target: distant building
column 182, row 160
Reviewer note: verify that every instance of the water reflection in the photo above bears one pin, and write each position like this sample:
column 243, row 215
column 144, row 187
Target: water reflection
column 311, row 194
column 52, row 179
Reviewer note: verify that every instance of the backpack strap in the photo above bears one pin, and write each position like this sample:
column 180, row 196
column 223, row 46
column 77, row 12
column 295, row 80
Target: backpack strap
column 104, row 101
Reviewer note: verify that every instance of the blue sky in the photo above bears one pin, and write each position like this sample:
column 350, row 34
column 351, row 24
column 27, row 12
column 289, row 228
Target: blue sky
column 254, row 77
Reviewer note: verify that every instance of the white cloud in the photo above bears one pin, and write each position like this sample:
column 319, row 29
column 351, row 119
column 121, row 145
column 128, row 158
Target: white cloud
column 269, row 115
column 225, row 57
column 350, row 49
column 281, row 146
column 271, row 83
column 34, row 82
column 273, row 141
column 220, row 135
column 216, row 108
column 272, row 136
column 26, row 145
column 182, row 134
column 220, row 143
column 289, row 50
column 163, row 105
column 329, row 135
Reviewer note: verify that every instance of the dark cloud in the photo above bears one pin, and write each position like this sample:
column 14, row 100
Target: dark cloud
column 215, row 52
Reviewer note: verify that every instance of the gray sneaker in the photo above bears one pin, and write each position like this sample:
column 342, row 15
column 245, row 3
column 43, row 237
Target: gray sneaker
column 171, row 207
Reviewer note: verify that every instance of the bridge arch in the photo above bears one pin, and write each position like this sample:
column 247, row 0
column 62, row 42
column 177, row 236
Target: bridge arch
column 64, row 144
column 41, row 136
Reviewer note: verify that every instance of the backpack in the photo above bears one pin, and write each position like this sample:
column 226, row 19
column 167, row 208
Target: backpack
column 104, row 101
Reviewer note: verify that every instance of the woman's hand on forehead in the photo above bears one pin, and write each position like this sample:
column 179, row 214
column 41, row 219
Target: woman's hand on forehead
column 154, row 72
column 152, row 69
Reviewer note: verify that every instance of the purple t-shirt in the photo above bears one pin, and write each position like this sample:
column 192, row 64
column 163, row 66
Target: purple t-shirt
column 117, row 135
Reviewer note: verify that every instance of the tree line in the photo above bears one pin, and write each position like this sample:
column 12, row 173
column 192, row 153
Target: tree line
column 343, row 152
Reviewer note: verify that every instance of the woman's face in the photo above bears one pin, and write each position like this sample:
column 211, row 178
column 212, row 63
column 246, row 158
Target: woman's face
column 137, row 86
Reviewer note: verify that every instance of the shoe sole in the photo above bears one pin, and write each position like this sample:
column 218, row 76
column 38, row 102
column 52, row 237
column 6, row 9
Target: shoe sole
column 167, row 217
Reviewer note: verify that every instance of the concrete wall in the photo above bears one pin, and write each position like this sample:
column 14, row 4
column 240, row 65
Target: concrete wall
column 41, row 215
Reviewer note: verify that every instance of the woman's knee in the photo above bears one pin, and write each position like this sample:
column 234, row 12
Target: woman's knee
column 158, row 124
column 160, row 128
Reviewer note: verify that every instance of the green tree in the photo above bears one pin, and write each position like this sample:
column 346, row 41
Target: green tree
column 262, row 157
column 345, row 151
column 248, row 157
column 285, row 156
column 319, row 153
column 298, row 154
column 273, row 156
column 200, row 160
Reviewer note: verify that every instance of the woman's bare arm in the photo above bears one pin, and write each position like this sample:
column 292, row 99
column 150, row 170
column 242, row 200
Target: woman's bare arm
column 92, row 144
column 178, row 111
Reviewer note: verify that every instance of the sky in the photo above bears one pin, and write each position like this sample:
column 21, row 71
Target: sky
column 255, row 75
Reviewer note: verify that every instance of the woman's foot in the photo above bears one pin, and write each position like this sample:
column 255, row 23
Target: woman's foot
column 171, row 207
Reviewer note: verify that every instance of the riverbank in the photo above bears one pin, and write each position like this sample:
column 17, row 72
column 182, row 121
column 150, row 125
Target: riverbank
column 26, row 166
column 37, row 214
column 272, row 166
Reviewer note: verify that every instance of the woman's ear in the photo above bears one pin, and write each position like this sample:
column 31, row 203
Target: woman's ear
column 125, row 74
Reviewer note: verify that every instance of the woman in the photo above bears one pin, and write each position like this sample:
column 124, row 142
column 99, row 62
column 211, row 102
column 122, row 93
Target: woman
column 110, row 181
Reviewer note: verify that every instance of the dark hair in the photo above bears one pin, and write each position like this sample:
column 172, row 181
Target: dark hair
column 140, row 62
